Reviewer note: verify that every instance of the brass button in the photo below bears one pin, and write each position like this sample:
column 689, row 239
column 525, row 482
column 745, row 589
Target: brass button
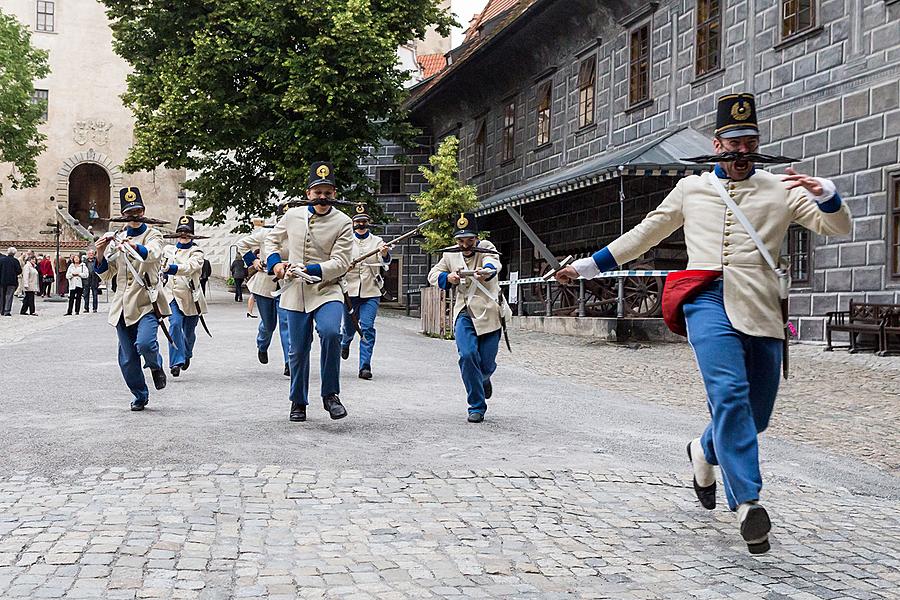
column 727, row 243
column 725, row 263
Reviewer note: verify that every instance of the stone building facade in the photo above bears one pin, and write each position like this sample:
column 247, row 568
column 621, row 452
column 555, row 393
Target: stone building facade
column 89, row 133
column 551, row 89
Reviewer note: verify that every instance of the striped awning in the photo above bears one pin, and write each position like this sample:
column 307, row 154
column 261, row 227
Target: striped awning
column 658, row 158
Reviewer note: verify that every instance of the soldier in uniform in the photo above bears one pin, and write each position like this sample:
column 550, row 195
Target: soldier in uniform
column 185, row 262
column 132, row 312
column 318, row 239
column 732, row 310
column 477, row 311
column 263, row 288
column 364, row 281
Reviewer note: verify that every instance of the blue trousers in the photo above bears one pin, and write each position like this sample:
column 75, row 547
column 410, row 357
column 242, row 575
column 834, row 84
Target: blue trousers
column 327, row 320
column 136, row 342
column 367, row 309
column 477, row 359
column 270, row 316
column 741, row 374
column 183, row 330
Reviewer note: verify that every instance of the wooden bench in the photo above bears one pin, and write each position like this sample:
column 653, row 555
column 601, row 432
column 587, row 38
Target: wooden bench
column 862, row 318
column 891, row 329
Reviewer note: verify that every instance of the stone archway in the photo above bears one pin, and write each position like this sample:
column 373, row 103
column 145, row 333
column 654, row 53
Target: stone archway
column 99, row 160
column 89, row 196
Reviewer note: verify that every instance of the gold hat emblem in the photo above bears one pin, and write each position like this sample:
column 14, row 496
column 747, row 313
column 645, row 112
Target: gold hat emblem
column 130, row 196
column 184, row 220
column 360, row 209
column 323, row 171
column 741, row 111
column 463, row 221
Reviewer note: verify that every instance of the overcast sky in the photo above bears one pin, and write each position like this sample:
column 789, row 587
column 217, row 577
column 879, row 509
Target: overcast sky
column 464, row 10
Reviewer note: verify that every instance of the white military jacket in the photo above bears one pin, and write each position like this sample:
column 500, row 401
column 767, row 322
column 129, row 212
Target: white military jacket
column 311, row 239
column 715, row 239
column 131, row 299
column 363, row 279
column 482, row 308
column 261, row 283
column 187, row 263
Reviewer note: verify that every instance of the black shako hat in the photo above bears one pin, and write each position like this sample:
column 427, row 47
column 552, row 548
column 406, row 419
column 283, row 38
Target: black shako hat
column 185, row 225
column 130, row 198
column 465, row 225
column 360, row 213
column 321, row 173
column 736, row 116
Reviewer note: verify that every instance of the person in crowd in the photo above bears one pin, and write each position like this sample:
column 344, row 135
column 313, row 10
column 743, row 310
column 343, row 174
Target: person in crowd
column 45, row 268
column 10, row 269
column 30, row 284
column 75, row 275
column 239, row 274
column 92, row 282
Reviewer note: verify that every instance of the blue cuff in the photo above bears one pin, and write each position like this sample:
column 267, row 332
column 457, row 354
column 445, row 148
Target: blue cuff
column 271, row 261
column 442, row 281
column 141, row 250
column 314, row 270
column 831, row 206
column 102, row 266
column 172, row 270
column 249, row 258
column 493, row 268
column 386, row 259
column 604, row 260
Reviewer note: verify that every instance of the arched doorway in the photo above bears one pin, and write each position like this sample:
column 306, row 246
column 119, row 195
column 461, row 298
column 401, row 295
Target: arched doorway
column 89, row 188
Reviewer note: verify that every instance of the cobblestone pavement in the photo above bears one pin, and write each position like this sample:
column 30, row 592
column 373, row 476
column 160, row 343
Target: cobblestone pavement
column 270, row 532
column 403, row 499
column 834, row 400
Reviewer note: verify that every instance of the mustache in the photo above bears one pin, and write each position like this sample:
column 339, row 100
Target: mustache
column 736, row 156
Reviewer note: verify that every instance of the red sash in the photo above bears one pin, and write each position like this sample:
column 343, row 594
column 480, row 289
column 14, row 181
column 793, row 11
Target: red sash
column 682, row 287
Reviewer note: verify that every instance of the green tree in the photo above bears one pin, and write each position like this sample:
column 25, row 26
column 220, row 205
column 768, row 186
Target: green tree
column 249, row 93
column 20, row 64
column 446, row 196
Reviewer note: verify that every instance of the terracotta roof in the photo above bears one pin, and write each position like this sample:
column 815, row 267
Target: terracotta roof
column 431, row 63
column 50, row 245
column 493, row 9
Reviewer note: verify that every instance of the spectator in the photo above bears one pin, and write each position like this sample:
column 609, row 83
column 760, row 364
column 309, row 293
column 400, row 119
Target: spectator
column 239, row 273
column 92, row 281
column 45, row 268
column 61, row 268
column 10, row 269
column 74, row 274
column 205, row 272
column 30, row 283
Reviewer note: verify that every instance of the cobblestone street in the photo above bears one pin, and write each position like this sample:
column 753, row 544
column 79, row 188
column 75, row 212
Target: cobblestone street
column 574, row 487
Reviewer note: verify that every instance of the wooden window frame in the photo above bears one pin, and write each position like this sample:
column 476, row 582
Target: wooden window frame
column 508, row 146
column 479, row 148
column 707, row 26
column 892, row 240
column 789, row 18
column 800, row 254
column 640, row 64
column 38, row 96
column 544, row 113
column 587, row 91
column 381, row 170
column 46, row 19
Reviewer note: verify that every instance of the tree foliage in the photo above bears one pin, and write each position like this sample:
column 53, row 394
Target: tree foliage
column 445, row 198
column 249, row 93
column 20, row 64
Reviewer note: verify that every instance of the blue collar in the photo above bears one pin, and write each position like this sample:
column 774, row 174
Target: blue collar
column 136, row 231
column 312, row 210
column 184, row 246
column 721, row 174
column 362, row 237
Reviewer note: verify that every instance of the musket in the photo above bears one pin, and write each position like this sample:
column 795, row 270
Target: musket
column 292, row 273
column 755, row 157
column 400, row 238
column 475, row 249
column 147, row 220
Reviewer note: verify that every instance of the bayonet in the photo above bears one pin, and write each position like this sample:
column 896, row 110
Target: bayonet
column 555, row 263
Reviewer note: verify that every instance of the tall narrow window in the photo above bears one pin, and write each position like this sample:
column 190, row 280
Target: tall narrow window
column 509, row 130
column 545, row 96
column 45, row 15
column 709, row 28
column 797, row 16
column 587, row 73
column 799, row 240
column 894, row 229
column 390, row 181
column 639, row 72
column 41, row 97
column 479, row 147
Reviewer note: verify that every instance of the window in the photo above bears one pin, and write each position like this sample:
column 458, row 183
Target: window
column 709, row 28
column 894, row 228
column 41, row 96
column 545, row 95
column 798, row 250
column 639, row 71
column 479, row 147
column 509, row 130
column 587, row 73
column 45, row 14
column 797, row 16
column 390, row 181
